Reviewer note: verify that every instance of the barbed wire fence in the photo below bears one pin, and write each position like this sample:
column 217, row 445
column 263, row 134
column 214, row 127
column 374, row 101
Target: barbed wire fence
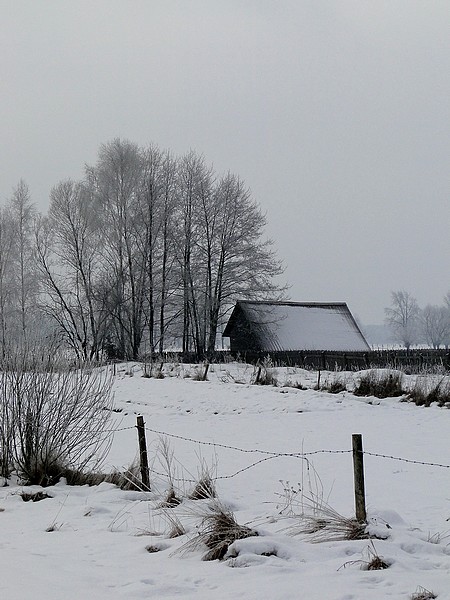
column 268, row 455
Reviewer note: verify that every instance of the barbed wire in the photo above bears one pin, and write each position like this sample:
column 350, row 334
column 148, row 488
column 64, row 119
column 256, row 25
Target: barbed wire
column 407, row 460
column 245, row 450
column 270, row 454
column 119, row 429
column 300, row 455
column 247, row 468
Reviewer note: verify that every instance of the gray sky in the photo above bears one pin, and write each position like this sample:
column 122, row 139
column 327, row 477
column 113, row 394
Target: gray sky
column 335, row 113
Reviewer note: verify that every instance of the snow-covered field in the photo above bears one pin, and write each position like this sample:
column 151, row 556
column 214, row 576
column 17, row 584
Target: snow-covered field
column 91, row 542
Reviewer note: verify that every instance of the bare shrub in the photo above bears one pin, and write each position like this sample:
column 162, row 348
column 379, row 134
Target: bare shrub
column 6, row 432
column 59, row 414
column 381, row 384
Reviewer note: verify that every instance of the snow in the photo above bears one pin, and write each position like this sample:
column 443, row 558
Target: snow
column 90, row 542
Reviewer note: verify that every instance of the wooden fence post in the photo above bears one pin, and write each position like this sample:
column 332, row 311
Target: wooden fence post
column 205, row 373
column 258, row 374
column 318, row 380
column 358, row 473
column 145, row 477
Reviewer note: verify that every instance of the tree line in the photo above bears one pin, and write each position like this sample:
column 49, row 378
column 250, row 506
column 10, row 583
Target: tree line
column 147, row 253
column 411, row 325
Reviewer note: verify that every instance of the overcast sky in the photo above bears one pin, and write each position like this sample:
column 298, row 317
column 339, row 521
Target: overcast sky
column 335, row 113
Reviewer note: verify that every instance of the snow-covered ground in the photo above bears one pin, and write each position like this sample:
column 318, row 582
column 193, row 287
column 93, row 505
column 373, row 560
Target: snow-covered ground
column 91, row 542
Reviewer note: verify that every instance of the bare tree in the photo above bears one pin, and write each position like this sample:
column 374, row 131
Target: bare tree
column 446, row 340
column 239, row 263
column 194, row 181
column 6, row 274
column 150, row 249
column 168, row 310
column 68, row 251
column 115, row 182
column 59, row 301
column 402, row 317
column 435, row 325
column 23, row 214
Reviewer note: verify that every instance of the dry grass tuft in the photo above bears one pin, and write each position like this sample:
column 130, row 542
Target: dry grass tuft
column 265, row 373
column 171, row 500
column 334, row 386
column 177, row 528
column 423, row 594
column 125, row 480
column 218, row 529
column 34, row 497
column 294, row 384
column 426, row 391
column 374, row 562
column 325, row 524
column 381, row 384
column 204, row 488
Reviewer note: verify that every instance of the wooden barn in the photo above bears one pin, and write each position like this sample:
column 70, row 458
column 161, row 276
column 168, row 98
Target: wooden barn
column 287, row 327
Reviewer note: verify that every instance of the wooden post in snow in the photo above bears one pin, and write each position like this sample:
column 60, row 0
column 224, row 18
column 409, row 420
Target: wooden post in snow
column 358, row 472
column 205, row 373
column 145, row 476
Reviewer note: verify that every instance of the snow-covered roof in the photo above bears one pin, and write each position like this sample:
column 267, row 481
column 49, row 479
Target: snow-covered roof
column 294, row 326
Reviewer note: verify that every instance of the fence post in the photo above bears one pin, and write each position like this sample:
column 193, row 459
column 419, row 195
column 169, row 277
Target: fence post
column 145, row 477
column 358, row 473
column 205, row 373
